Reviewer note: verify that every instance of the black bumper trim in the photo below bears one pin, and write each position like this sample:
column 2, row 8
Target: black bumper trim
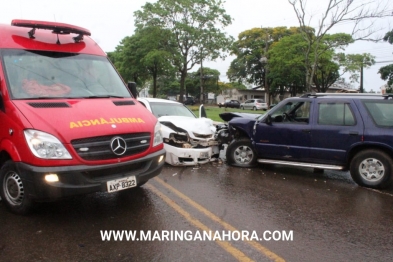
column 79, row 180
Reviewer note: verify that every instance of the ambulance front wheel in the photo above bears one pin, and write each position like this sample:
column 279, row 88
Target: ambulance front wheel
column 12, row 190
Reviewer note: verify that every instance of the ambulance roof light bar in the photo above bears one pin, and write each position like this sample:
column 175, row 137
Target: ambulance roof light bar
column 58, row 28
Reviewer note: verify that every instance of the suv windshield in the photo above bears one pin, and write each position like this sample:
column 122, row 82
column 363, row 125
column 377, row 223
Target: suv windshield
column 41, row 74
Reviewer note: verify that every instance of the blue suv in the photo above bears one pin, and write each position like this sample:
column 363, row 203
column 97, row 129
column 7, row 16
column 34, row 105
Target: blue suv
column 323, row 131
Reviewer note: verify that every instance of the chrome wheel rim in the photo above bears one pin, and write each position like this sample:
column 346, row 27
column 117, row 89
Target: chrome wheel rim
column 13, row 188
column 371, row 169
column 243, row 155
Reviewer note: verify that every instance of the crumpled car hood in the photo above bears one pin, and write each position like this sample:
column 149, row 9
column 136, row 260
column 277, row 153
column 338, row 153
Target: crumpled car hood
column 228, row 116
column 202, row 126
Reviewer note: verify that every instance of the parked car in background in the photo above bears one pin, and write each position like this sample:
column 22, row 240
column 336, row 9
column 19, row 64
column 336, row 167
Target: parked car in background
column 189, row 100
column 254, row 104
column 321, row 131
column 188, row 140
column 230, row 103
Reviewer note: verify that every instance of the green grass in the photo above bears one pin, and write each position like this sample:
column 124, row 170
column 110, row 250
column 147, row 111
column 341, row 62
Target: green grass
column 213, row 112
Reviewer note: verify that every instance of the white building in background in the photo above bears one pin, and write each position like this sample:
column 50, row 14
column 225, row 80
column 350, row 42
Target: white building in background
column 144, row 92
column 383, row 88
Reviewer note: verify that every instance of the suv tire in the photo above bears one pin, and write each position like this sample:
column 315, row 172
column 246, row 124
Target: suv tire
column 372, row 168
column 12, row 191
column 241, row 153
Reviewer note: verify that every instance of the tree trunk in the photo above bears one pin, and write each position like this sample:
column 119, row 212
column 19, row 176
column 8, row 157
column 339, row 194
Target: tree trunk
column 154, row 85
column 201, row 83
column 183, row 75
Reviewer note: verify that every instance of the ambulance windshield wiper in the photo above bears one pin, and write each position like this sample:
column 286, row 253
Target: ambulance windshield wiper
column 49, row 97
column 105, row 96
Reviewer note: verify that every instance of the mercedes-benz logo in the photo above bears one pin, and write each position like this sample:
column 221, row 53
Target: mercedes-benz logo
column 118, row 146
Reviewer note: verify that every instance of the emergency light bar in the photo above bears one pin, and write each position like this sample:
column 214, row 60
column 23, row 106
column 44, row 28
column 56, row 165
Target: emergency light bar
column 58, row 28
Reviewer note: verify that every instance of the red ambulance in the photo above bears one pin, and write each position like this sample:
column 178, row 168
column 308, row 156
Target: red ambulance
column 69, row 125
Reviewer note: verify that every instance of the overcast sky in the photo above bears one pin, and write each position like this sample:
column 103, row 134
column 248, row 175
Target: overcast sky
column 111, row 21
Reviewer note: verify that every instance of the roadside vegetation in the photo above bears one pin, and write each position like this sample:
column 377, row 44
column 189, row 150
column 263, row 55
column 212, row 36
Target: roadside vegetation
column 173, row 39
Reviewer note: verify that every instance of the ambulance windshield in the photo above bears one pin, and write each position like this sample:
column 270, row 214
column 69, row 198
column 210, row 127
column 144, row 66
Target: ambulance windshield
column 39, row 74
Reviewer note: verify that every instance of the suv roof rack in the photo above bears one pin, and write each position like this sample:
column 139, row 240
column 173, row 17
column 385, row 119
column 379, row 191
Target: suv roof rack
column 343, row 94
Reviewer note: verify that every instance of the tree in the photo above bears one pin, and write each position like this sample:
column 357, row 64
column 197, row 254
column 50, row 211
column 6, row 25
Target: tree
column 336, row 11
column 210, row 81
column 167, row 86
column 389, row 37
column 354, row 63
column 326, row 73
column 286, row 64
column 386, row 72
column 145, row 55
column 126, row 61
column 251, row 51
column 155, row 47
column 197, row 27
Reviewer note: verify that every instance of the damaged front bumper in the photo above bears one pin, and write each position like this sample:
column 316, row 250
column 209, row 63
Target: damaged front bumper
column 177, row 156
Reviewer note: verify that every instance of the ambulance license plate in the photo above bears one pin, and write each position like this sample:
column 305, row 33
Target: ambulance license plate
column 121, row 184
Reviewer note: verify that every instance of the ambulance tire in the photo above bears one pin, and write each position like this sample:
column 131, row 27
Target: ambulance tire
column 12, row 191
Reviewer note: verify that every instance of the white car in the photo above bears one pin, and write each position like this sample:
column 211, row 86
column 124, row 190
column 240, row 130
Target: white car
column 254, row 104
column 188, row 140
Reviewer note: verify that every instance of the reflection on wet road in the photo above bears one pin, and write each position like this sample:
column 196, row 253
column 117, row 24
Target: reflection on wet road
column 332, row 219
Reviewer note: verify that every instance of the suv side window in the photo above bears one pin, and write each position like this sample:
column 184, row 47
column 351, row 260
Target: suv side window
column 381, row 112
column 293, row 112
column 338, row 114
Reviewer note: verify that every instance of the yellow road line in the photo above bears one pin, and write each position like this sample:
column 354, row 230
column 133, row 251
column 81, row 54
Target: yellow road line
column 225, row 245
column 215, row 218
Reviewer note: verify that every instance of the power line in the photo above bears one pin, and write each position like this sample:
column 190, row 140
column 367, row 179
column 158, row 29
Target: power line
column 387, row 61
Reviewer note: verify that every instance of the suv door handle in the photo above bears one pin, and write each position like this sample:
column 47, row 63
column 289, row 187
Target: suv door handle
column 306, row 130
column 353, row 133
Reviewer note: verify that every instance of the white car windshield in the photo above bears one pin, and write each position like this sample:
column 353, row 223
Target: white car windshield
column 41, row 74
column 170, row 109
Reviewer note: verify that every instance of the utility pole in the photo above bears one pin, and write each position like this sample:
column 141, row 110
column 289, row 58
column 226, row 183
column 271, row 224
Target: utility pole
column 201, row 81
column 361, row 78
column 267, row 89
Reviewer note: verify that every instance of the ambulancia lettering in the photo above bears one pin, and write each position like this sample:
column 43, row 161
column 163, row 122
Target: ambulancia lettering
column 103, row 121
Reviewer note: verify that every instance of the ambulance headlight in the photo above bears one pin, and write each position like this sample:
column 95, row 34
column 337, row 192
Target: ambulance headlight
column 44, row 145
column 157, row 135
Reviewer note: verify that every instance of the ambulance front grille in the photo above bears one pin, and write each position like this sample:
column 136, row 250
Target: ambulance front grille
column 99, row 148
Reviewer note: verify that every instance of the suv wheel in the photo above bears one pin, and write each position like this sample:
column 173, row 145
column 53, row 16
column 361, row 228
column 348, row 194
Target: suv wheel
column 12, row 190
column 241, row 153
column 372, row 168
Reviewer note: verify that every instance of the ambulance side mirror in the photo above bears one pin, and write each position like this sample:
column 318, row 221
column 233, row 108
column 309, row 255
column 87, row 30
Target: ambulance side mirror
column 132, row 87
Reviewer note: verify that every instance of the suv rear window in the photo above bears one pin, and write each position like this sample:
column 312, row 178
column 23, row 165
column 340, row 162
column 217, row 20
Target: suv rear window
column 381, row 112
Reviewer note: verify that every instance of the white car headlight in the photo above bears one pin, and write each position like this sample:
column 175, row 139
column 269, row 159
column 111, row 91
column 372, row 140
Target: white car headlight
column 157, row 135
column 44, row 145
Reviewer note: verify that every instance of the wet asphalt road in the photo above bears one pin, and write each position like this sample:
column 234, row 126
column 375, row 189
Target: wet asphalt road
column 332, row 219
